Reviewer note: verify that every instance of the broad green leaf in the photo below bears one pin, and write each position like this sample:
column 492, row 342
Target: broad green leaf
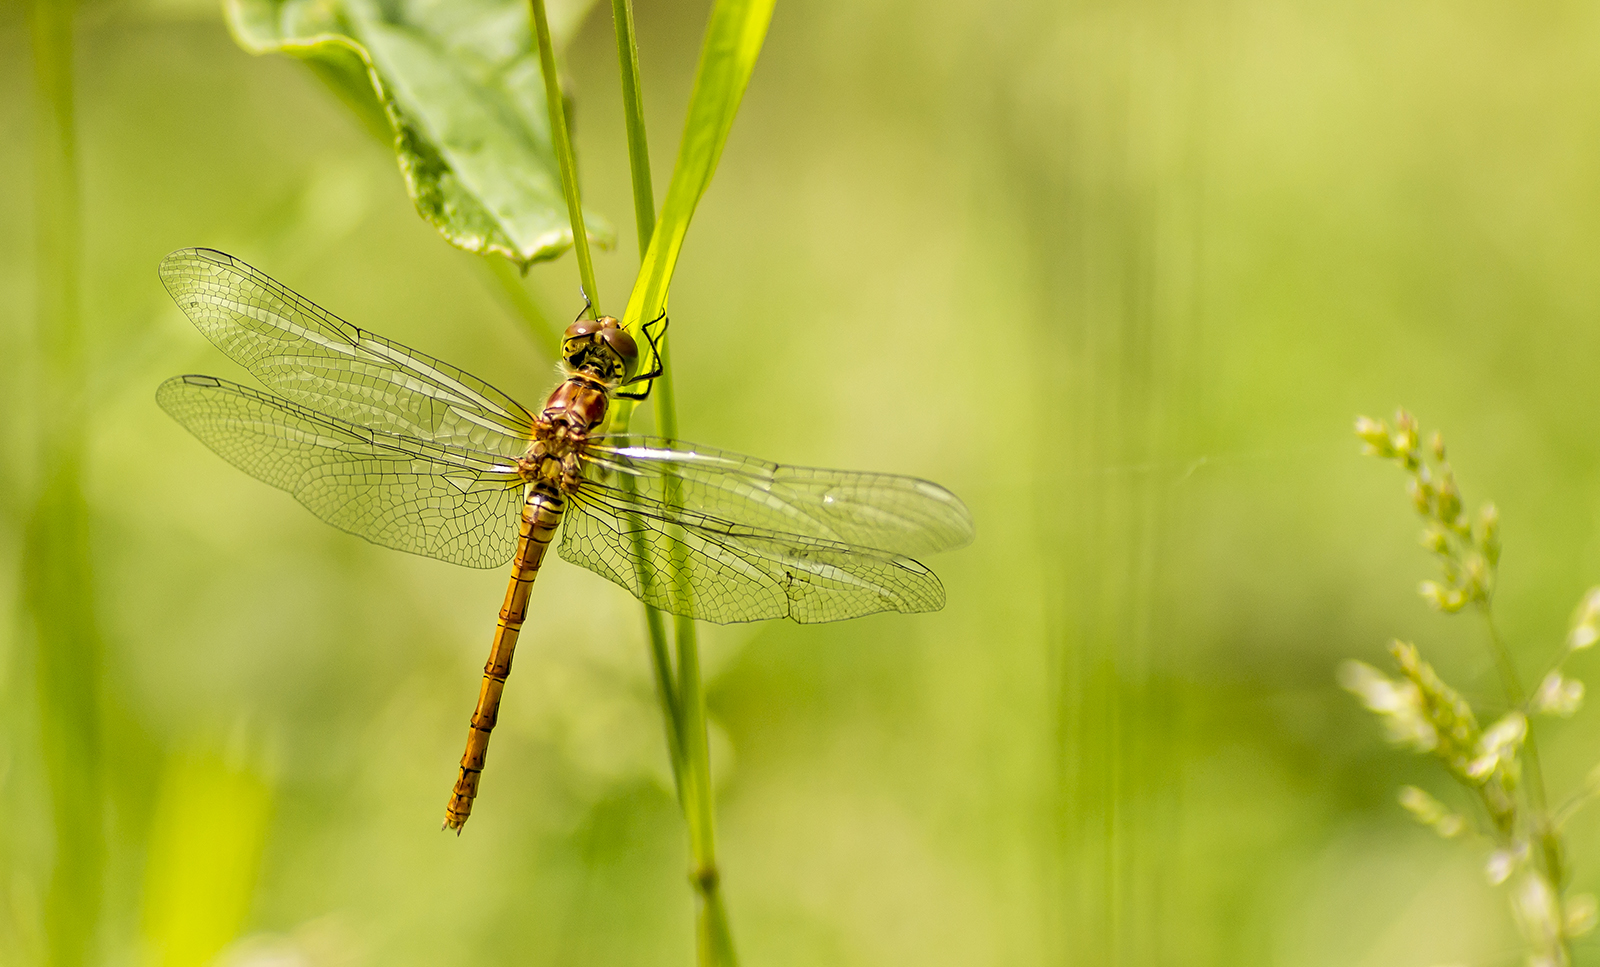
column 733, row 41
column 457, row 87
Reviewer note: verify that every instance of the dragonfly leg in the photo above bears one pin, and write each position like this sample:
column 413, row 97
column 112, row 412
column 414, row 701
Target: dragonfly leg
column 655, row 356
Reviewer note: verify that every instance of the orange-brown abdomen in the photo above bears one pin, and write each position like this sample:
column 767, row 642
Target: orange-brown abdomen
column 551, row 468
column 541, row 513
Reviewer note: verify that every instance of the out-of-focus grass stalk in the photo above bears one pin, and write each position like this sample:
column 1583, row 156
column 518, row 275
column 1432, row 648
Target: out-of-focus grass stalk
column 206, row 841
column 1544, row 833
column 1546, row 838
column 562, row 139
column 1516, row 697
column 57, row 593
column 508, row 282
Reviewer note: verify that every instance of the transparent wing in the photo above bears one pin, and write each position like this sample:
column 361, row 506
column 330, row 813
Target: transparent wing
column 444, row 502
column 893, row 514
column 314, row 358
column 717, row 570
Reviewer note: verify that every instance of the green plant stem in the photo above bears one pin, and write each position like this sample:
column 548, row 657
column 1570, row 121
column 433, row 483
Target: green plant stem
column 644, row 203
column 1544, row 834
column 714, row 937
column 563, row 145
column 733, row 40
column 702, row 837
column 57, row 594
column 644, row 214
column 666, row 694
column 1512, row 684
column 1510, row 681
column 661, row 663
column 713, row 934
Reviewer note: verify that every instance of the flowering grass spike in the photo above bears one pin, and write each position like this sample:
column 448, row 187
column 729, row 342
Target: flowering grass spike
column 1497, row 766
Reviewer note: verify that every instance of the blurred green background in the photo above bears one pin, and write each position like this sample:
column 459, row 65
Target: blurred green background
column 1118, row 273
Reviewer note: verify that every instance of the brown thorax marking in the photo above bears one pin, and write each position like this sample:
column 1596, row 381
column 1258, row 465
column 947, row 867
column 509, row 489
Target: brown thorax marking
column 554, row 461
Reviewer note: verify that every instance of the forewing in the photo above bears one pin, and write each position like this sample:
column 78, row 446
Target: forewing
column 314, row 358
column 716, row 570
column 443, row 502
column 894, row 514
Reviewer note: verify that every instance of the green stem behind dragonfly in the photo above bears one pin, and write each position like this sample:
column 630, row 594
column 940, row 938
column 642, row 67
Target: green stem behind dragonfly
column 564, row 154
column 644, row 212
column 507, row 281
column 644, row 198
column 727, row 57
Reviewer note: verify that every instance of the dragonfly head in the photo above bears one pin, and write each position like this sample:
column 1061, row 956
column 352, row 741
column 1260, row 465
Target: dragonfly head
column 600, row 346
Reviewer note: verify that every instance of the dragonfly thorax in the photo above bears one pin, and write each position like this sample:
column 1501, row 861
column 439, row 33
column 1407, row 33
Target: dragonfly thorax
column 574, row 410
column 575, row 407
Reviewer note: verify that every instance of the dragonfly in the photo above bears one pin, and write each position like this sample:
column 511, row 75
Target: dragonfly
column 412, row 453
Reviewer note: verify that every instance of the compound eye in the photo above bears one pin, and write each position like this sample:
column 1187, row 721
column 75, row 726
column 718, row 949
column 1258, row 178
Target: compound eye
column 622, row 344
column 582, row 327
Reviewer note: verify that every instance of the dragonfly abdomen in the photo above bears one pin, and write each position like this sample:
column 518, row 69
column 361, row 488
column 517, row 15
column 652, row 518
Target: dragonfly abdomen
column 551, row 468
column 541, row 515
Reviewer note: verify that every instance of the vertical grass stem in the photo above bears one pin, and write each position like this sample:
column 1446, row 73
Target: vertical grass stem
column 563, row 145
column 714, row 937
column 733, row 40
column 1512, row 683
column 1546, row 840
column 644, row 203
column 545, row 334
column 644, row 215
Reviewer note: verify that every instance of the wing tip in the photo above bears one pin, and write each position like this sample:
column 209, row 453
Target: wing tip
column 178, row 266
column 198, row 252
column 968, row 532
column 963, row 529
column 169, row 387
column 190, row 379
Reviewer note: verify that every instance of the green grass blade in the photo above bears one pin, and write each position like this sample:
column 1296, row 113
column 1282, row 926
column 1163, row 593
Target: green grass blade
column 714, row 936
column 644, row 213
column 666, row 688
column 727, row 58
column 562, row 139
column 644, row 200
column 732, row 43
column 58, row 598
